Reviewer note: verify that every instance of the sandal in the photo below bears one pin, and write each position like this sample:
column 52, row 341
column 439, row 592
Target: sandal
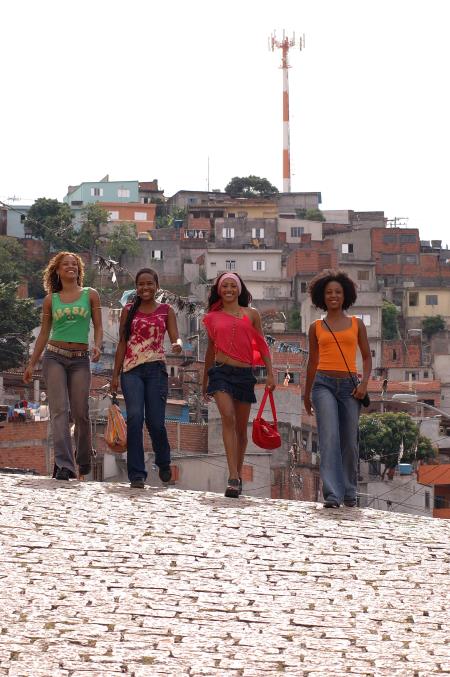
column 232, row 490
column 240, row 486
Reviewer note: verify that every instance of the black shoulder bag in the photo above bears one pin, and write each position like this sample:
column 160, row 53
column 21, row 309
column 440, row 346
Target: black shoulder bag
column 366, row 399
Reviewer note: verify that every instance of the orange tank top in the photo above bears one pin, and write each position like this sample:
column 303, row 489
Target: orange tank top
column 330, row 358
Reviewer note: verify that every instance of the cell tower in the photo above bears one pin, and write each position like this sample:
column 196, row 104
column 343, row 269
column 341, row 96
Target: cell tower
column 285, row 45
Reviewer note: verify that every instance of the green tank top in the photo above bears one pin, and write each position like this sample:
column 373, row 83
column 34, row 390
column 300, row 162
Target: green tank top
column 71, row 321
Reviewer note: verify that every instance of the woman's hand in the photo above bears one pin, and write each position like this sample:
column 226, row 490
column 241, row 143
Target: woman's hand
column 360, row 391
column 270, row 383
column 176, row 348
column 308, row 405
column 28, row 374
column 114, row 384
column 95, row 353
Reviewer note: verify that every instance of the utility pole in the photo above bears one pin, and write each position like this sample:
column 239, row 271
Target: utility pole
column 285, row 45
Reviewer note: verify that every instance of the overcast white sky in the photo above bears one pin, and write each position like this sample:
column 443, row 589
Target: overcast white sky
column 144, row 90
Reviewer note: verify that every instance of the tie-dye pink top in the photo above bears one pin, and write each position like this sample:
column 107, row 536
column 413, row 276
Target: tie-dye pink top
column 146, row 342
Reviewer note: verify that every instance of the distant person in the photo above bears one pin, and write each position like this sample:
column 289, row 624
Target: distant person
column 144, row 379
column 235, row 344
column 330, row 388
column 66, row 317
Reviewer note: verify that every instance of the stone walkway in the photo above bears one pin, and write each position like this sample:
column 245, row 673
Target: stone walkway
column 100, row 580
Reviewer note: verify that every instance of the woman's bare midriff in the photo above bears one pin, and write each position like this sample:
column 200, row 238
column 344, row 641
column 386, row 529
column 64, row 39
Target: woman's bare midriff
column 335, row 374
column 66, row 345
column 226, row 359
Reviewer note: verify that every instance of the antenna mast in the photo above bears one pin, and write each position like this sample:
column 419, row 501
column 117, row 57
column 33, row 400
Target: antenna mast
column 285, row 45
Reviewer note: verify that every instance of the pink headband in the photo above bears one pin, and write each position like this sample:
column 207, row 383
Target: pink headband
column 229, row 276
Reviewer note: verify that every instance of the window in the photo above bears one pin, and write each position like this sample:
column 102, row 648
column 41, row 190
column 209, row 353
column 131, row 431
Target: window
column 394, row 354
column 389, row 238
column 258, row 233
column 409, row 258
column 271, row 292
column 389, row 258
column 230, row 264
column 228, row 233
column 347, row 248
column 157, row 254
column 407, row 237
column 231, row 215
column 431, row 299
column 123, row 192
column 427, row 500
column 113, row 216
column 412, row 375
column 363, row 274
column 297, row 231
column 372, row 352
column 259, row 265
column 97, row 192
column 303, row 287
column 366, row 318
column 140, row 216
column 425, row 374
column 413, row 298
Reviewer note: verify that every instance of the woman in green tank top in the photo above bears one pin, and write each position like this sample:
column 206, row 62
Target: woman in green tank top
column 66, row 317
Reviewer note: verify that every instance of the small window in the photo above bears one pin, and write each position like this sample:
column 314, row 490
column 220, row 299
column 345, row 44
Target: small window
column 259, row 265
column 303, row 287
column 425, row 374
column 366, row 318
column 372, row 352
column 407, row 237
column 231, row 215
column 389, row 258
column 228, row 233
column 113, row 216
column 297, row 231
column 413, row 298
column 409, row 258
column 427, row 500
column 363, row 274
column 140, row 216
column 258, row 233
column 394, row 354
column 157, row 254
column 97, row 192
column 123, row 192
column 389, row 238
column 230, row 264
column 431, row 299
column 347, row 248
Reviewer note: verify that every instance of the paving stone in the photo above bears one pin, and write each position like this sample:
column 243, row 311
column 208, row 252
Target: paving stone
column 96, row 580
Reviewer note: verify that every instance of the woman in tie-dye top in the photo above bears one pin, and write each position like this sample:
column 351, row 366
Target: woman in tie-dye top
column 144, row 380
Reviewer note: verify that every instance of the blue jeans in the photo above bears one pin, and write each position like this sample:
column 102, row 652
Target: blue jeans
column 68, row 380
column 145, row 391
column 337, row 414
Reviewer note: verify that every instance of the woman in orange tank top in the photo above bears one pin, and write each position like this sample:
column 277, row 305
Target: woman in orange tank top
column 330, row 388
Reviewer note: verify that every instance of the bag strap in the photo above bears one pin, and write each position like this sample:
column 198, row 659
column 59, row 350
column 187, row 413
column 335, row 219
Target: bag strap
column 343, row 356
column 267, row 394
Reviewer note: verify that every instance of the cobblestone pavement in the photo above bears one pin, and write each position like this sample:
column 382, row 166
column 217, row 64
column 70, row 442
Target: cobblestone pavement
column 100, row 580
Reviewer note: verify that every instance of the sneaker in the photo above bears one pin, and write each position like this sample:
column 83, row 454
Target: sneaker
column 165, row 474
column 63, row 474
column 331, row 504
column 350, row 503
column 232, row 490
column 85, row 468
column 138, row 483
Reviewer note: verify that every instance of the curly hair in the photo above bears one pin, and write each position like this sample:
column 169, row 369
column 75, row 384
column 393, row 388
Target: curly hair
column 137, row 301
column 244, row 298
column 51, row 280
column 319, row 283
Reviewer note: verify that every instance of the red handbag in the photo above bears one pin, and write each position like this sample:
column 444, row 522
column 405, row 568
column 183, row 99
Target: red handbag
column 265, row 434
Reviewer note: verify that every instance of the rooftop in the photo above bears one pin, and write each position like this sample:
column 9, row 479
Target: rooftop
column 99, row 580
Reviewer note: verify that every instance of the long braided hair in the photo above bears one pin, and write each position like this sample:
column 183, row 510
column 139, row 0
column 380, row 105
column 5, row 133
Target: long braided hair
column 137, row 301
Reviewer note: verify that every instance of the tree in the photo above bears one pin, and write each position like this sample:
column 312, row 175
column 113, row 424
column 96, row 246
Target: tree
column 382, row 435
column 122, row 241
column 12, row 263
column 250, row 186
column 93, row 217
column 432, row 325
column 17, row 318
column 389, row 321
column 51, row 221
column 310, row 214
column 294, row 321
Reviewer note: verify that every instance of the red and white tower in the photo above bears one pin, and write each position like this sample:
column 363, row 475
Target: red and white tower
column 285, row 45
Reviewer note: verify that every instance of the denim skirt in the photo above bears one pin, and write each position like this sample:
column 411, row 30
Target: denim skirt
column 239, row 382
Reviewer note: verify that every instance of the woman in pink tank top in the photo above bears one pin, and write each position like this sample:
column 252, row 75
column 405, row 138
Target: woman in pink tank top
column 235, row 344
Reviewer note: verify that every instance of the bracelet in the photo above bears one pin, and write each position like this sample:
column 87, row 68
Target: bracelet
column 178, row 342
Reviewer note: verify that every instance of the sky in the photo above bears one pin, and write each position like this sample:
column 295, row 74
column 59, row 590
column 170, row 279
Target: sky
column 144, row 89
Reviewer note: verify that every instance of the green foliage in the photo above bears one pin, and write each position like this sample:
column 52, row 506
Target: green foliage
column 168, row 220
column 381, row 436
column 123, row 240
column 294, row 321
column 51, row 221
column 389, row 321
column 250, row 186
column 12, row 263
column 432, row 325
column 17, row 318
column 93, row 216
column 310, row 214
